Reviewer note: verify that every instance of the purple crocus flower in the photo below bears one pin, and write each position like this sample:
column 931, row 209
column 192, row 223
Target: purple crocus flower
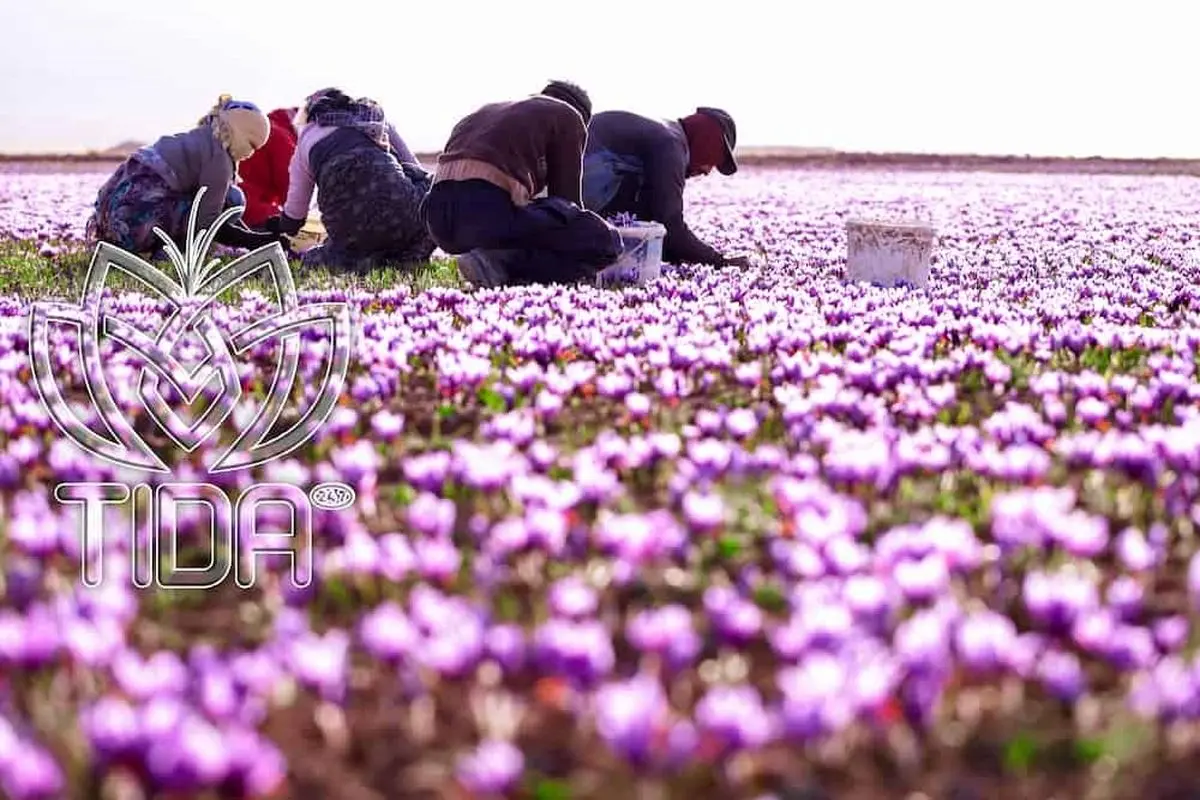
column 493, row 767
column 321, row 661
column 629, row 717
column 22, row 581
column 1062, row 675
column 387, row 633
column 703, row 511
column 192, row 756
column 437, row 559
column 572, row 598
column 30, row 773
column 637, row 404
column 431, row 515
column 984, row 640
column 734, row 717
column 256, row 767
column 581, row 650
column 1056, row 601
column 922, row 579
column 815, row 697
column 666, row 631
column 1124, row 596
column 507, row 645
column 1171, row 633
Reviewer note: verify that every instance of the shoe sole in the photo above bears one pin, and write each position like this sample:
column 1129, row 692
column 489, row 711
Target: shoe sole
column 473, row 271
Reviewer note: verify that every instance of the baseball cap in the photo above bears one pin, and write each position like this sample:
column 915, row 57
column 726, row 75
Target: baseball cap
column 729, row 134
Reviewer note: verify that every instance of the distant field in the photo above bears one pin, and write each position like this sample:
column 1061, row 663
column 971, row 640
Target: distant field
column 799, row 157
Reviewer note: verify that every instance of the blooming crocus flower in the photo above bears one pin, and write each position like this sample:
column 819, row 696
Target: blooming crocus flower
column 192, row 756
column 580, row 651
column 922, row 579
column 387, row 633
column 112, row 727
column 1134, row 551
column 1171, row 633
column 321, row 661
column 507, row 645
column 437, row 559
column 704, row 512
column 666, row 631
column 1062, row 675
column 637, row 404
column 735, row 717
column 493, row 767
column 454, row 651
column 815, row 698
column 1057, row 600
column 31, row 773
column 630, row 715
column 922, row 642
column 983, row 640
column 1124, row 596
column 387, row 425
column 431, row 515
column 572, row 598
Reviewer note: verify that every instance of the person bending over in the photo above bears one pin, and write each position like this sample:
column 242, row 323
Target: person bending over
column 485, row 207
column 157, row 185
column 638, row 165
column 264, row 175
column 369, row 186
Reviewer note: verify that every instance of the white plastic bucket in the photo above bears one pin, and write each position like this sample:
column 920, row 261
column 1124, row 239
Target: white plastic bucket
column 889, row 253
column 641, row 262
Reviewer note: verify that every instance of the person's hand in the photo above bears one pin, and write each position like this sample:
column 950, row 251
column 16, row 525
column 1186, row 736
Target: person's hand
column 283, row 224
column 286, row 244
column 742, row 261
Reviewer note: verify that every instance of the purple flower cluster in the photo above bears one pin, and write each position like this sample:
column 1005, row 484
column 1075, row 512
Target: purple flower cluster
column 727, row 512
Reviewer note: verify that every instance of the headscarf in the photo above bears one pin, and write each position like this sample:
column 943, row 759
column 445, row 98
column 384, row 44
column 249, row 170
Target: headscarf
column 238, row 125
column 335, row 109
column 706, row 147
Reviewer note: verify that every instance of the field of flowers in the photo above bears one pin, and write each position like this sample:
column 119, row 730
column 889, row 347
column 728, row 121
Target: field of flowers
column 744, row 533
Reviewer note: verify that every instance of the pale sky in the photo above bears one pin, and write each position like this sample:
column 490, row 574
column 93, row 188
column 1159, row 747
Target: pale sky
column 1044, row 77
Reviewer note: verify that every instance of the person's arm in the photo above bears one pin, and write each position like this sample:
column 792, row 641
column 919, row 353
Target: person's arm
column 663, row 192
column 216, row 176
column 403, row 154
column 564, row 160
column 232, row 234
column 300, row 186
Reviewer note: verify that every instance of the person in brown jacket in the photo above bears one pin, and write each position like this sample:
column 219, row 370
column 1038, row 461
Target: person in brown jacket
column 485, row 205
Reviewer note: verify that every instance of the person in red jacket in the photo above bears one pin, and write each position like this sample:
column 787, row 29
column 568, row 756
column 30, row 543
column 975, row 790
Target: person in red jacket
column 264, row 176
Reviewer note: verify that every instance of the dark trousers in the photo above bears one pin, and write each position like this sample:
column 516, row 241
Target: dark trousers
column 548, row 241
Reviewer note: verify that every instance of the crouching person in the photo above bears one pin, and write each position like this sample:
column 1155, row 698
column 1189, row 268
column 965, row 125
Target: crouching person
column 484, row 205
column 157, row 185
column 264, row 175
column 369, row 186
column 638, row 165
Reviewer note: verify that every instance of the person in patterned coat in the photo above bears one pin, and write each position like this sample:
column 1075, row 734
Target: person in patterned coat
column 369, row 186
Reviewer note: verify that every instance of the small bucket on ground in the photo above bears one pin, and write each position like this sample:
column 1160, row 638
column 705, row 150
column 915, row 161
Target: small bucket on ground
column 641, row 261
column 889, row 254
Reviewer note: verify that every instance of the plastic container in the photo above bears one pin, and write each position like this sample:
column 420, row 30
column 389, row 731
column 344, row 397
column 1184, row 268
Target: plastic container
column 641, row 262
column 889, row 253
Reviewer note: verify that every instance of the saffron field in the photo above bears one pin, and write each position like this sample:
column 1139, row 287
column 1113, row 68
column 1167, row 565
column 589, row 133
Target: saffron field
column 740, row 533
